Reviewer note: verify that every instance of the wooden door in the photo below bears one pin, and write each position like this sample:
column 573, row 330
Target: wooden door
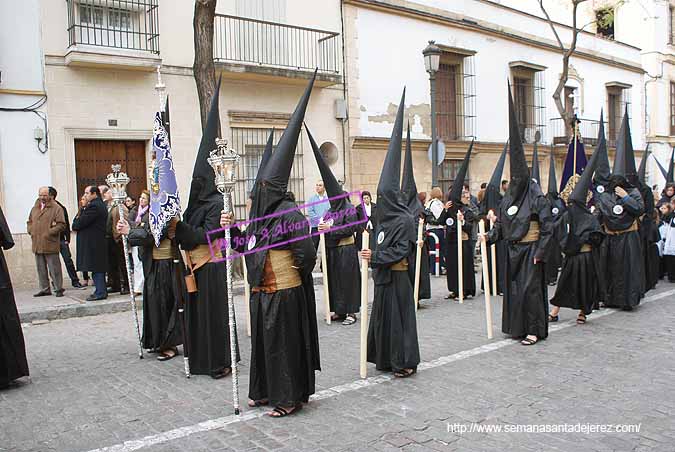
column 94, row 158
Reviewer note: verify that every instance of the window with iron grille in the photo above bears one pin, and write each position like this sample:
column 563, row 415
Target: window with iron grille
column 122, row 24
column 448, row 173
column 672, row 108
column 618, row 99
column 529, row 90
column 250, row 144
column 456, row 97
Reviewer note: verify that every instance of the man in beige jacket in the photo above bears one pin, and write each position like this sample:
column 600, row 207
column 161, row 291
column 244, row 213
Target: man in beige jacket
column 46, row 222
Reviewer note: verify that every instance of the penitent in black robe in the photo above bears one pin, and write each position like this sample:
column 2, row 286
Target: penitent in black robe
column 344, row 276
column 555, row 253
column 650, row 236
column 163, row 291
column 13, row 362
column 284, row 336
column 449, row 217
column 525, row 304
column 425, row 277
column 500, row 262
column 625, row 261
column 206, row 312
column 392, row 332
column 578, row 286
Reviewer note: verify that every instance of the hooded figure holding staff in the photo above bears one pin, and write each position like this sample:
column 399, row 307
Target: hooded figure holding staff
column 649, row 230
column 557, row 210
column 491, row 203
column 526, row 225
column 392, row 332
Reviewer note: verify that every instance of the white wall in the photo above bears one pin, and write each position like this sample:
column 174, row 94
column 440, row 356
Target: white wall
column 390, row 56
column 24, row 168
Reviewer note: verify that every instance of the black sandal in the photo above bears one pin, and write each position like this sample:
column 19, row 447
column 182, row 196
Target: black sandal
column 581, row 319
column 349, row 320
column 337, row 318
column 404, row 373
column 451, row 296
column 283, row 411
column 552, row 318
column 258, row 403
column 528, row 341
column 167, row 355
column 224, row 373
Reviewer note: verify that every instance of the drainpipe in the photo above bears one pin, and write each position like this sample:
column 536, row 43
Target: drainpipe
column 344, row 97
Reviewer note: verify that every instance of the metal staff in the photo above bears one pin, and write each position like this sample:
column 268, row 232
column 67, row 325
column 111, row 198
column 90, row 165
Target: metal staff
column 364, row 307
column 418, row 261
column 117, row 181
column 324, row 266
column 460, row 268
column 247, row 296
column 224, row 160
column 486, row 276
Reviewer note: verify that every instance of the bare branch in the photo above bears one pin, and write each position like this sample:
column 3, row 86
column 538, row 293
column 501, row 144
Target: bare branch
column 550, row 22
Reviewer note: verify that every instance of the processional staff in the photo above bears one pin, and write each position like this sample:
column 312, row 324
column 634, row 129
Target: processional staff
column 117, row 181
column 224, row 161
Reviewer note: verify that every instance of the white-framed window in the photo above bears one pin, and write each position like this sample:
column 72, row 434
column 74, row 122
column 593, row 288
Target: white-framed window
column 91, row 15
column 119, row 19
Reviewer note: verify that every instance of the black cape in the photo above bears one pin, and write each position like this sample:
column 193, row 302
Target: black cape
column 206, row 312
column 13, row 362
column 624, row 259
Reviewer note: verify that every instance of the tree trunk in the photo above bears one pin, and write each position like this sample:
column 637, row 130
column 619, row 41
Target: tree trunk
column 203, row 67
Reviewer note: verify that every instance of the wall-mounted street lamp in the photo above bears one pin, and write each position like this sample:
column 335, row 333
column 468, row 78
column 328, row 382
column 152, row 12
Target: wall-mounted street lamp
column 432, row 60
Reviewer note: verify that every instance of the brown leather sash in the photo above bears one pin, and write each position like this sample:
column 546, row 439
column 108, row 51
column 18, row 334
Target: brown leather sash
column 346, row 241
column 400, row 266
column 279, row 272
column 202, row 255
column 633, row 227
column 532, row 233
column 164, row 251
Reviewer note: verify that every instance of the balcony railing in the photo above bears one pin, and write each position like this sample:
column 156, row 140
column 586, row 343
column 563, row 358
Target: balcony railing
column 262, row 43
column 588, row 128
column 119, row 24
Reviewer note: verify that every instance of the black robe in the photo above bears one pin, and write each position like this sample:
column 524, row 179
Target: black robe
column 392, row 332
column 206, row 312
column 13, row 362
column 425, row 277
column 449, row 217
column 555, row 254
column 650, row 236
column 578, row 286
column 625, row 260
column 525, row 304
column 344, row 276
column 284, row 335
column 500, row 261
column 163, row 291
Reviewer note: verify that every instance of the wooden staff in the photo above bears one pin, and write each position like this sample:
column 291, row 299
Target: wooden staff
column 247, row 296
column 364, row 308
column 460, row 269
column 486, row 276
column 324, row 267
column 418, row 261
column 493, row 248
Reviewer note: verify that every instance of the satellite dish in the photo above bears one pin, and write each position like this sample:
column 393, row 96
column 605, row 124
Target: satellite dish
column 329, row 152
column 441, row 152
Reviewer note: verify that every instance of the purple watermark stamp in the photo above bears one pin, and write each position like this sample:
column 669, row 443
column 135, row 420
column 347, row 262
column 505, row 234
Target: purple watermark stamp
column 248, row 241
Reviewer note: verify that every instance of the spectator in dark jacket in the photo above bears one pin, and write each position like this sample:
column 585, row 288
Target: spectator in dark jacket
column 65, row 244
column 92, row 253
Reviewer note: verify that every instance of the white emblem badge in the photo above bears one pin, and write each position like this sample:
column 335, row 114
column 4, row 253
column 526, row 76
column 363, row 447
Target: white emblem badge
column 555, row 211
column 380, row 237
column 618, row 210
column 449, row 221
column 251, row 243
column 592, row 209
column 600, row 189
column 512, row 210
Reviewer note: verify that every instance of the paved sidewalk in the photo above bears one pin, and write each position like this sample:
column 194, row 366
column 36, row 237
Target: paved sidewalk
column 89, row 391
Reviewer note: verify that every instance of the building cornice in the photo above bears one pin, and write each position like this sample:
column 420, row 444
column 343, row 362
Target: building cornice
column 436, row 15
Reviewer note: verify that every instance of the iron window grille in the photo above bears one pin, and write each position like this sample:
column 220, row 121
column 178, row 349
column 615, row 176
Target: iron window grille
column 529, row 93
column 456, row 99
column 250, row 144
column 264, row 43
column 120, row 24
column 448, row 173
column 618, row 100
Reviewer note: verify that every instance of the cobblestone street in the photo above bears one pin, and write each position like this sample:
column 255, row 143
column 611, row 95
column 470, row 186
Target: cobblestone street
column 89, row 391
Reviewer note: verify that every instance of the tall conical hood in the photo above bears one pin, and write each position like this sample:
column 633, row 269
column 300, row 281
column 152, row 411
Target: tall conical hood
column 552, row 184
column 670, row 175
column 267, row 154
column 602, row 173
column 664, row 172
column 642, row 170
column 278, row 170
column 389, row 188
column 203, row 187
column 496, row 178
column 520, row 175
column 624, row 160
column 458, row 184
column 535, row 165
column 331, row 184
column 493, row 190
column 580, row 192
column 408, row 185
